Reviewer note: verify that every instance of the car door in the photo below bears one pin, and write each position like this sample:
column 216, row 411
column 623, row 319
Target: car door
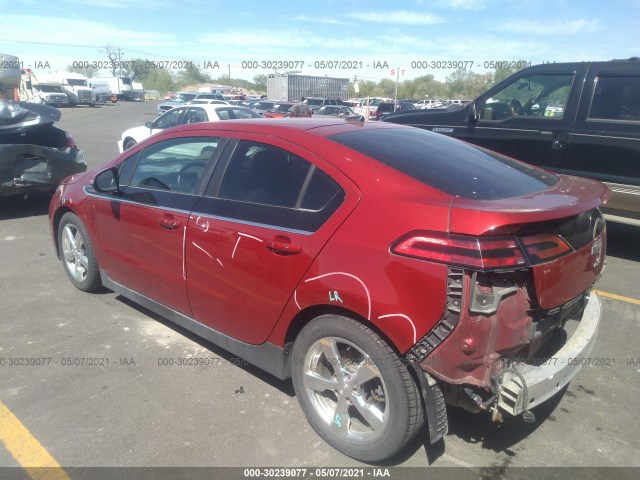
column 531, row 117
column 142, row 228
column 605, row 144
column 257, row 230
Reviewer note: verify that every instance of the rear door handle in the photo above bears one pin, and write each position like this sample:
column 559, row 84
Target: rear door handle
column 168, row 222
column 282, row 245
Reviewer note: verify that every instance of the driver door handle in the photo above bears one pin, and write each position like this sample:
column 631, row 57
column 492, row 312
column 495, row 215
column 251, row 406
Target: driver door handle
column 559, row 141
column 168, row 222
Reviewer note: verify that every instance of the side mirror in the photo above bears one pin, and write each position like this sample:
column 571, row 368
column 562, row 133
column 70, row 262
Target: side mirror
column 107, row 181
column 149, row 125
column 473, row 113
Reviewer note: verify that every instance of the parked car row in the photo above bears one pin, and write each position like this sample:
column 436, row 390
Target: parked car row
column 189, row 113
column 183, row 97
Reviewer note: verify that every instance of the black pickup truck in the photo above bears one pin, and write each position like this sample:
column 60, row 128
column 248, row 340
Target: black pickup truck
column 579, row 119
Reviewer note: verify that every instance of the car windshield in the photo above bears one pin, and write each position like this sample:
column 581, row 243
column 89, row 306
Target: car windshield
column 313, row 101
column 452, row 166
column 281, row 108
column 184, row 97
column 263, row 105
column 51, row 89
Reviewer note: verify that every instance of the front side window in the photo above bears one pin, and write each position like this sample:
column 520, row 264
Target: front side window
column 169, row 119
column 541, row 96
column 174, row 165
column 616, row 98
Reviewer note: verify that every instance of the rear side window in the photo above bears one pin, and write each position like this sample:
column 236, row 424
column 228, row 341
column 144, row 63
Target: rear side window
column 616, row 98
column 272, row 186
column 449, row 165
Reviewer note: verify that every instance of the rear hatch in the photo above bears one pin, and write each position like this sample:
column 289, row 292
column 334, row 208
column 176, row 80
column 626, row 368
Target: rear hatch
column 560, row 230
column 504, row 214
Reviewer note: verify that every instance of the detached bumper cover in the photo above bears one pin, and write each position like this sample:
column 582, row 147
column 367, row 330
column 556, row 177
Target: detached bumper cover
column 544, row 381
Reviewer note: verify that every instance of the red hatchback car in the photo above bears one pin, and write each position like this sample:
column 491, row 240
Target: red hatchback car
column 386, row 269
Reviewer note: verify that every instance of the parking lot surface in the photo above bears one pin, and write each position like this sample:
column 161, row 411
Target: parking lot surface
column 108, row 384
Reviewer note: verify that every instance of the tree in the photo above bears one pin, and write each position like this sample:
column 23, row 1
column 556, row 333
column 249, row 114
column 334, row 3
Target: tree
column 86, row 71
column 160, row 79
column 367, row 89
column 466, row 84
column 260, row 81
column 191, row 75
column 138, row 69
column 503, row 72
column 113, row 54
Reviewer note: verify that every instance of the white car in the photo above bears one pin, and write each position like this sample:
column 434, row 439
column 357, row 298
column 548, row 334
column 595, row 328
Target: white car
column 426, row 104
column 182, row 116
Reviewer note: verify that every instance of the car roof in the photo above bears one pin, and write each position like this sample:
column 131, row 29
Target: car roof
column 321, row 127
column 208, row 107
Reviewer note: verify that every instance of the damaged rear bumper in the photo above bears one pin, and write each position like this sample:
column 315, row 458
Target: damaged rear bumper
column 530, row 385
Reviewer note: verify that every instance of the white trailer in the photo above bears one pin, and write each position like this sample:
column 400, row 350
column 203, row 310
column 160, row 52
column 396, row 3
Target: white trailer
column 119, row 88
column 137, row 92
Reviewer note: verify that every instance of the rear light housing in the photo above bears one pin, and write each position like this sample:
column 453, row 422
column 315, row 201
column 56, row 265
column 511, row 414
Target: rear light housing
column 482, row 253
column 544, row 247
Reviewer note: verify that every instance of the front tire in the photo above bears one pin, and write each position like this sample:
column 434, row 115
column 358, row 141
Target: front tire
column 354, row 390
column 76, row 251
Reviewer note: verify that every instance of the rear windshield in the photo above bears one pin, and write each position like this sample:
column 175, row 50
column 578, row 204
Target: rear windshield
column 447, row 164
column 281, row 108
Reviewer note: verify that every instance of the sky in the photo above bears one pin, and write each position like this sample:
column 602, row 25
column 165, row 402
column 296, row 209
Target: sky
column 367, row 40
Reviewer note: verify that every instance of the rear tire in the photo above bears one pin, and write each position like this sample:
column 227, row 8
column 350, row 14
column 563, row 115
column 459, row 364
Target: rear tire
column 76, row 252
column 354, row 390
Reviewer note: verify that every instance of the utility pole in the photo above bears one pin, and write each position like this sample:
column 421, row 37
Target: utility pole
column 395, row 99
column 120, row 52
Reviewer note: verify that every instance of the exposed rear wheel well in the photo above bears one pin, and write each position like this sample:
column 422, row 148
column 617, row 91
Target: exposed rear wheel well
column 305, row 316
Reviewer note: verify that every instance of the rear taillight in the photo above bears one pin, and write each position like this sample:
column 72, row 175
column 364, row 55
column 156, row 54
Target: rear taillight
column 474, row 252
column 544, row 247
column 483, row 253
